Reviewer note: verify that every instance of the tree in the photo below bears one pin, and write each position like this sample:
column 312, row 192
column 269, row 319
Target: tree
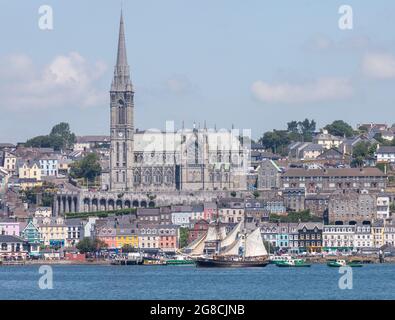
column 256, row 194
column 59, row 138
column 233, row 194
column 340, row 128
column 276, row 140
column 88, row 168
column 183, row 237
column 87, row 245
column 61, row 132
column 362, row 151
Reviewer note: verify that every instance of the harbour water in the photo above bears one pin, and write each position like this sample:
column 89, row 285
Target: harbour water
column 376, row 281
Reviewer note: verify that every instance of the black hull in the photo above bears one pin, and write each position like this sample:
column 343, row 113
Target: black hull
column 211, row 263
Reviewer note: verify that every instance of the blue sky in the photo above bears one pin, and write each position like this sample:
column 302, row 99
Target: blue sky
column 255, row 64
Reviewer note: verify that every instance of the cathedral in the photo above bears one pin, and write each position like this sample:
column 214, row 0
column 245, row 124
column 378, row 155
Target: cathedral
column 150, row 161
column 154, row 168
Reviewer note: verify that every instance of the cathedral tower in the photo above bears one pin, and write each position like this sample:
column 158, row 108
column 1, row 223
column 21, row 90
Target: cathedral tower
column 122, row 105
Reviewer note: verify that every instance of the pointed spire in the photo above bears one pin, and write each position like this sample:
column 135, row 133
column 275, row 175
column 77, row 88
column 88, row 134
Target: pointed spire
column 122, row 57
column 121, row 80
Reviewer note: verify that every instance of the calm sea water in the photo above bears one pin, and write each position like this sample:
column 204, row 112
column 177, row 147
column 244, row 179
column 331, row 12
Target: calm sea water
column 188, row 282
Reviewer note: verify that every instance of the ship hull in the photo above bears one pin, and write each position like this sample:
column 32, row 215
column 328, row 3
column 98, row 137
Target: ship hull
column 211, row 263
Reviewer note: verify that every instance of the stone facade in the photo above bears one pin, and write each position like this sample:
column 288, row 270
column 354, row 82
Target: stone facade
column 349, row 206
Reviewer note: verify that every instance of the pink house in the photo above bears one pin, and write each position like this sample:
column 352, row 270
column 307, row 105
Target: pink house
column 9, row 228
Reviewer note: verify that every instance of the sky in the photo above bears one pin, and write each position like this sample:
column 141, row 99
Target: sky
column 254, row 64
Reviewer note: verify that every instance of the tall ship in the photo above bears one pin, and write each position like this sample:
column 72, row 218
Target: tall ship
column 237, row 249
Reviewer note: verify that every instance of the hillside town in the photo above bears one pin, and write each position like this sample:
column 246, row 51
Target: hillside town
column 307, row 189
column 332, row 194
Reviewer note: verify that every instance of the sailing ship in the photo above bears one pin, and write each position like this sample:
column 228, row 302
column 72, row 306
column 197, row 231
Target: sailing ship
column 236, row 249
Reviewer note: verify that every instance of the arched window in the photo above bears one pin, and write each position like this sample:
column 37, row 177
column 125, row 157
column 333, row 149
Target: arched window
column 121, row 112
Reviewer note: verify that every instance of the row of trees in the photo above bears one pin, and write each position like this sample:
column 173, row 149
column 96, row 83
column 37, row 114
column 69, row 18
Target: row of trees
column 302, row 131
column 59, row 138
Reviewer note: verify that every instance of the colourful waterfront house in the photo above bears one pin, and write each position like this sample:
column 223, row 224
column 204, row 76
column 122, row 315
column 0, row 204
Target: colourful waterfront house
column 310, row 236
column 126, row 235
column 11, row 247
column 338, row 238
column 32, row 236
column 148, row 238
column 107, row 234
column 378, row 233
column 389, row 233
column 168, row 238
column 10, row 228
column 269, row 232
column 363, row 236
column 53, row 231
column 197, row 230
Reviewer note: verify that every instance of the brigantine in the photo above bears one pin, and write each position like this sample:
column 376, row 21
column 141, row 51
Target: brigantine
column 236, row 249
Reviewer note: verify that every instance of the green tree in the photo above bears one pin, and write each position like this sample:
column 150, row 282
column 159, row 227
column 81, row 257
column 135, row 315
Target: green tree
column 363, row 150
column 61, row 132
column 183, row 237
column 59, row 138
column 277, row 141
column 90, row 245
column 88, row 168
column 340, row 128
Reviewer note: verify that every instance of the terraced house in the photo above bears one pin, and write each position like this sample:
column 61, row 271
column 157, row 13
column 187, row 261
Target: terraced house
column 331, row 179
column 338, row 237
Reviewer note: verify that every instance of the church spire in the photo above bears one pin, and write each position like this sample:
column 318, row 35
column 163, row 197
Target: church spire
column 121, row 80
column 122, row 57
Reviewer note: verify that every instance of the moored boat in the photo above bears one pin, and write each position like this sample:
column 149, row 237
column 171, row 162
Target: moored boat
column 293, row 263
column 180, row 260
column 237, row 250
column 342, row 263
column 279, row 259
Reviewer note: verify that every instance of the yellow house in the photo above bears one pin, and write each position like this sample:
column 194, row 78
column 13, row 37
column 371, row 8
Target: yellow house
column 53, row 231
column 126, row 236
column 30, row 170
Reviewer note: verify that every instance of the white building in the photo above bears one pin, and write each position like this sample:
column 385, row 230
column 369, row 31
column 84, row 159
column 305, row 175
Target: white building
column 338, row 237
column 49, row 166
column 181, row 218
column 363, row 237
column 383, row 206
column 386, row 154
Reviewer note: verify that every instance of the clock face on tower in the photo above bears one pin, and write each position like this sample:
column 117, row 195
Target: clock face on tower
column 120, row 134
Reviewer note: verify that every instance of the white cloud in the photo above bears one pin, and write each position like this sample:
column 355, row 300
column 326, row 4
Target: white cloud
column 323, row 89
column 379, row 65
column 68, row 80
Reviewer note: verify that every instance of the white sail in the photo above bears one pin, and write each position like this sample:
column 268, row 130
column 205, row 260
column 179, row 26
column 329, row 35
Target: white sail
column 233, row 250
column 197, row 246
column 232, row 236
column 254, row 244
column 215, row 233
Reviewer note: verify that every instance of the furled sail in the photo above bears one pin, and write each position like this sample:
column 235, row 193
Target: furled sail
column 233, row 249
column 232, row 236
column 254, row 244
